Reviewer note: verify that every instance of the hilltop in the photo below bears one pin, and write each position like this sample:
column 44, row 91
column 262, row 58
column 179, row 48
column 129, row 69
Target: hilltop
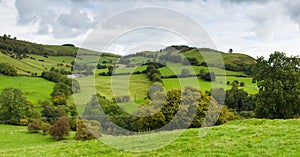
column 31, row 58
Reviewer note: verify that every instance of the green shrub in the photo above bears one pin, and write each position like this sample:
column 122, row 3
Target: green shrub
column 23, row 122
column 88, row 130
column 247, row 114
column 45, row 127
column 34, row 126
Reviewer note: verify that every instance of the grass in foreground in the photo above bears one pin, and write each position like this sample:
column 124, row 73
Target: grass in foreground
column 254, row 137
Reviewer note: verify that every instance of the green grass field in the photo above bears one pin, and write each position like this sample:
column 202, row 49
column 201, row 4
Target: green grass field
column 176, row 68
column 136, row 86
column 133, row 85
column 33, row 88
column 177, row 83
column 253, row 137
column 138, row 59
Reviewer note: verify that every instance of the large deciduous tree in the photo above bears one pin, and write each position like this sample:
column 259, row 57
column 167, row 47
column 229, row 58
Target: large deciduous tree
column 279, row 86
column 12, row 106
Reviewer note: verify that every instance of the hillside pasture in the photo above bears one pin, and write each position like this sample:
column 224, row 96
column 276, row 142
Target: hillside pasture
column 135, row 86
column 221, row 82
column 33, row 88
column 176, row 68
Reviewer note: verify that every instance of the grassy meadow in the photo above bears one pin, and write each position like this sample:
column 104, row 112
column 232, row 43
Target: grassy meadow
column 177, row 83
column 33, row 88
column 175, row 69
column 254, row 137
column 136, row 86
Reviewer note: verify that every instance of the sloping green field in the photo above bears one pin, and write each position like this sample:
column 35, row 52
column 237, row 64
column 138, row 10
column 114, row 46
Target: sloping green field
column 254, row 137
column 33, row 88
column 39, row 64
column 212, row 56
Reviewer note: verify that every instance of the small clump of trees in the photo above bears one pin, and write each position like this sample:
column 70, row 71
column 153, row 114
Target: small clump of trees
column 7, row 70
column 207, row 76
column 190, row 61
column 153, row 73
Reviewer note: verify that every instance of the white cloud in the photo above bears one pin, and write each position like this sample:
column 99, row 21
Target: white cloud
column 245, row 25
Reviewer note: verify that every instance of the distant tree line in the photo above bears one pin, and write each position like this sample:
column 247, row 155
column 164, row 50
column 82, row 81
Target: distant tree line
column 247, row 68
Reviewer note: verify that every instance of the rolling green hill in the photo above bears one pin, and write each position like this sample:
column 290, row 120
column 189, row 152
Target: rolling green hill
column 28, row 57
column 201, row 54
column 41, row 58
column 228, row 58
column 254, row 137
column 21, row 47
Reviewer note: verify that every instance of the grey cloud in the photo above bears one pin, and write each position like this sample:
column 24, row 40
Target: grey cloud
column 268, row 18
column 75, row 19
column 30, row 10
column 50, row 21
column 71, row 24
column 292, row 9
column 247, row 1
column 43, row 29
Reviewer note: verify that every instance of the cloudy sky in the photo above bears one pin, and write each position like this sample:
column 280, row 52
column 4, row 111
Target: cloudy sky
column 254, row 27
